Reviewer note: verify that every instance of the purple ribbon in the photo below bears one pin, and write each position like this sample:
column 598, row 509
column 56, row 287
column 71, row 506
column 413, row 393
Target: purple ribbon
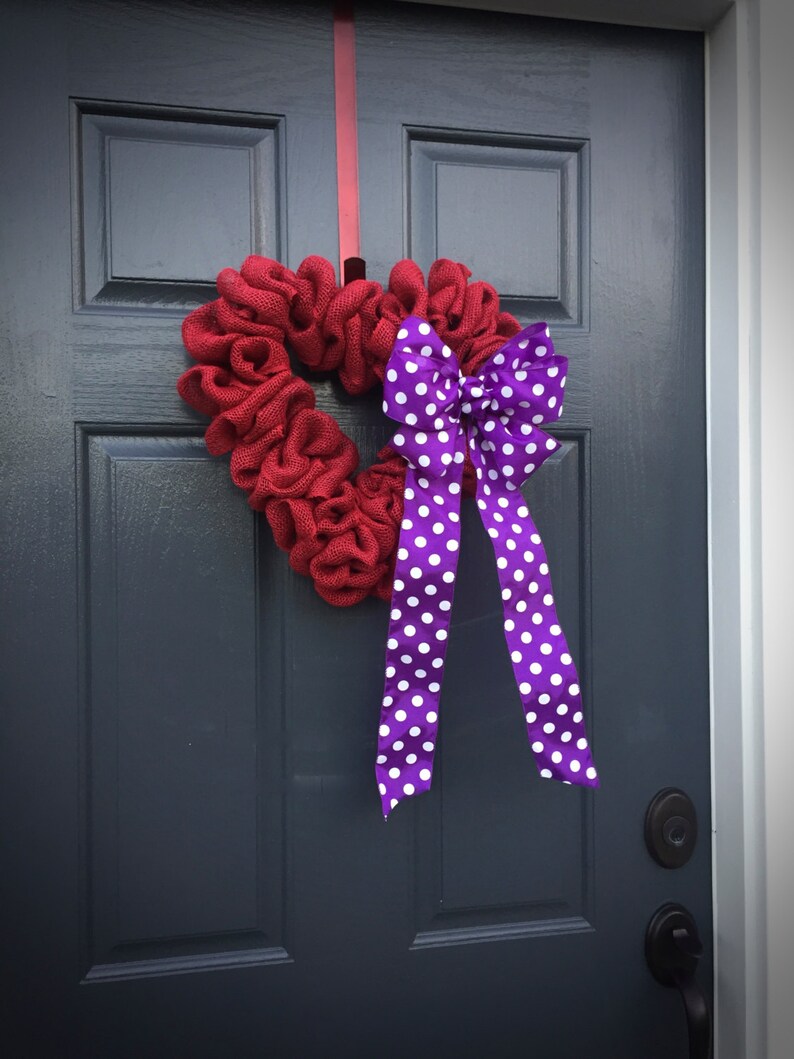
column 496, row 414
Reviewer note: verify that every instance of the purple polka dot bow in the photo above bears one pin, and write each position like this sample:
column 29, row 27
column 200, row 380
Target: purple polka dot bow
column 496, row 414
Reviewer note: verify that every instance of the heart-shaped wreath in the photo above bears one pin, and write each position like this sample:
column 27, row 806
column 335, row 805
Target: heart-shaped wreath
column 293, row 460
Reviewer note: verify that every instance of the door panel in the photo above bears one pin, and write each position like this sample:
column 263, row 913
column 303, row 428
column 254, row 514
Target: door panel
column 198, row 862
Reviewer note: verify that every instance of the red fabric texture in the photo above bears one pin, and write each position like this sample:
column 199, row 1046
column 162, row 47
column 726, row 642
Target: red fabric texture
column 293, row 460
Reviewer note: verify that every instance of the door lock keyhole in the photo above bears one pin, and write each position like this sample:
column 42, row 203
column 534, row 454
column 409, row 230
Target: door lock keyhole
column 671, row 828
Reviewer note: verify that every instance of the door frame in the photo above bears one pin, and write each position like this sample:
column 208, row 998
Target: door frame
column 751, row 569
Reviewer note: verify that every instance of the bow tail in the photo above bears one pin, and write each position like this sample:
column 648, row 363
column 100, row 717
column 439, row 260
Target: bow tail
column 542, row 663
column 424, row 583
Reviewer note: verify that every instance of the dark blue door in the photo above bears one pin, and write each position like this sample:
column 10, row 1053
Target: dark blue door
column 196, row 863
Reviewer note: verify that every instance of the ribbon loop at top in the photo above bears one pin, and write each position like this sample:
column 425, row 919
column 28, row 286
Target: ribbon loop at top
column 497, row 414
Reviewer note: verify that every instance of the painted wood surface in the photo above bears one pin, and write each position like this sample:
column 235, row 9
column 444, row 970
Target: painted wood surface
column 198, row 865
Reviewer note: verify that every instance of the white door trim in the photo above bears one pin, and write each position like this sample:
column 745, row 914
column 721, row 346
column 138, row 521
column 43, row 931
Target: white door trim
column 734, row 463
column 751, row 581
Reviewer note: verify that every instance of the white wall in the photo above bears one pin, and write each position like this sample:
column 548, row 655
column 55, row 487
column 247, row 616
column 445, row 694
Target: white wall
column 775, row 411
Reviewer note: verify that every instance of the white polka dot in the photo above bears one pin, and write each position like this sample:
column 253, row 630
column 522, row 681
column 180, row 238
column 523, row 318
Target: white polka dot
column 432, row 717
column 427, row 351
column 545, row 648
column 574, row 766
column 449, row 577
column 546, row 774
column 416, row 572
column 518, row 575
column 536, row 668
column 441, row 634
column 452, row 546
column 400, row 715
column 390, row 671
column 410, row 630
column 427, row 617
column 573, row 689
column 581, row 744
column 538, row 389
column 424, row 329
column 548, row 727
column 537, row 747
column 566, row 659
column 402, row 685
column 556, row 757
column 555, row 679
column 400, row 398
column 577, row 718
column 540, row 351
column 566, row 737
column 387, row 700
column 544, row 699
column 410, row 759
column 384, row 730
column 429, row 747
column 562, row 709
column 424, row 774
column 434, row 559
column 516, row 656
column 421, row 388
column 591, row 773
column 525, row 688
column 548, row 599
column 420, row 542
column 501, row 562
column 424, row 648
column 402, row 333
column 531, row 717
column 391, row 375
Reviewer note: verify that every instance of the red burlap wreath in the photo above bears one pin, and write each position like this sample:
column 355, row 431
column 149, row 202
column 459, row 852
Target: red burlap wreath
column 292, row 459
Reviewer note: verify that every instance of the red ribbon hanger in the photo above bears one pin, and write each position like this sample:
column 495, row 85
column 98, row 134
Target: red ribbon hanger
column 351, row 264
